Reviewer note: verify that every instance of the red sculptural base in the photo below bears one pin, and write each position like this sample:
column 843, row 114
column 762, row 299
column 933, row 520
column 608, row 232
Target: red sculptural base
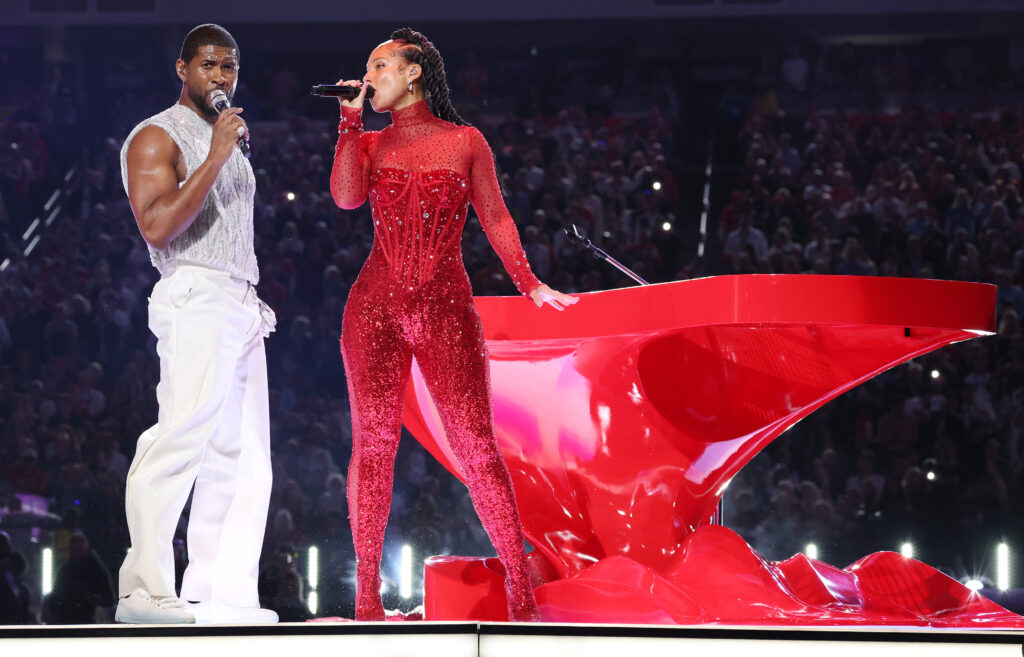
column 718, row 579
column 623, row 419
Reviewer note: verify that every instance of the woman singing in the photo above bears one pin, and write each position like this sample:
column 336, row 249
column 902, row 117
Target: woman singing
column 413, row 298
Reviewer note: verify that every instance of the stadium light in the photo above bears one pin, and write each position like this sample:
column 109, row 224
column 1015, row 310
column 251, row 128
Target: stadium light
column 405, row 572
column 313, row 576
column 1003, row 566
column 47, row 571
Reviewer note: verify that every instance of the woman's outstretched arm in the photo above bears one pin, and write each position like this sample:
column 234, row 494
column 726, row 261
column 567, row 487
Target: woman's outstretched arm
column 501, row 230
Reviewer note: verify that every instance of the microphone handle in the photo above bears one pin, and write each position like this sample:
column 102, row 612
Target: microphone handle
column 243, row 144
column 338, row 91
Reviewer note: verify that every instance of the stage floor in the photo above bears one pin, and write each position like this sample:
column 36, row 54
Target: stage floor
column 418, row 639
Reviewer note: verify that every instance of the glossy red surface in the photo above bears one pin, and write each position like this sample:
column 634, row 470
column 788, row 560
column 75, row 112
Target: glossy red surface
column 719, row 579
column 623, row 418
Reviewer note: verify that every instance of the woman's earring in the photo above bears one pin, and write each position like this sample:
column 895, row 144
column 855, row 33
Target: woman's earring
column 409, row 86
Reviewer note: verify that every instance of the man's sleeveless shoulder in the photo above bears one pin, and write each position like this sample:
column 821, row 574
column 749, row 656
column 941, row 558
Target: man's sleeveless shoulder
column 162, row 121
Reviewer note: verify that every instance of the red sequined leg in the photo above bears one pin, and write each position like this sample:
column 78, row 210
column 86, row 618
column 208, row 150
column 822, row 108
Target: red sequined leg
column 377, row 367
column 456, row 373
column 490, row 487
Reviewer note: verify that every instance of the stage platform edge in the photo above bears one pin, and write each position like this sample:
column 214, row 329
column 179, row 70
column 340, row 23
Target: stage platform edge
column 419, row 639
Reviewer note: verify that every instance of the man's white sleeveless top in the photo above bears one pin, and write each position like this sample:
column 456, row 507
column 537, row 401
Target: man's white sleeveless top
column 221, row 237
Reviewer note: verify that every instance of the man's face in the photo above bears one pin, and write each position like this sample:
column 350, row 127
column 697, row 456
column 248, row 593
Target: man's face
column 213, row 67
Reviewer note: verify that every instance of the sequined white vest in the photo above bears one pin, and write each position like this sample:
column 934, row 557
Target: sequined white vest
column 221, row 237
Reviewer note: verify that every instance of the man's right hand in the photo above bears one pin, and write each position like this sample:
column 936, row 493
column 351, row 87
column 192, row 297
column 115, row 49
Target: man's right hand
column 356, row 102
column 226, row 134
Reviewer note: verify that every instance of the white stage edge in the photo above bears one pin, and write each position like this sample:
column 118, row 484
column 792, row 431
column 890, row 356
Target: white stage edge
column 426, row 639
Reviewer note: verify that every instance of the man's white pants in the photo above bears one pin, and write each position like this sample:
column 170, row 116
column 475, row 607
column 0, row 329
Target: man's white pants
column 213, row 430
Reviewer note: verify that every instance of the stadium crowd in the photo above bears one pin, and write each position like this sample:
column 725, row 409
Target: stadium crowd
column 929, row 452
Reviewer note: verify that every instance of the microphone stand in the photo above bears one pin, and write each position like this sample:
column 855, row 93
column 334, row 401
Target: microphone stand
column 574, row 235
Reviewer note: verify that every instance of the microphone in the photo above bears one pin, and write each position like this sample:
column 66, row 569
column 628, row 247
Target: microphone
column 573, row 234
column 338, row 91
column 219, row 100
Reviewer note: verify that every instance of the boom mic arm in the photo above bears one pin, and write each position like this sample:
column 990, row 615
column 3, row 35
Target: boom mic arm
column 574, row 235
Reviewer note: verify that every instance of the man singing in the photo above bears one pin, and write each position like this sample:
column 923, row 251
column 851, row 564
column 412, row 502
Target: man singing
column 191, row 190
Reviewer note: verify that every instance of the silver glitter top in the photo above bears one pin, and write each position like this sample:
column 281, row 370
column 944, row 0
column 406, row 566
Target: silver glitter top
column 221, row 237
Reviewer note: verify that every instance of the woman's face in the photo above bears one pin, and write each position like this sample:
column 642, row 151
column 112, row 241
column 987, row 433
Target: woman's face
column 389, row 75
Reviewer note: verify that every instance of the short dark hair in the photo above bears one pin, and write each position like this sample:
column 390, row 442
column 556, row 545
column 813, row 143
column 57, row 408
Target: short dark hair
column 207, row 34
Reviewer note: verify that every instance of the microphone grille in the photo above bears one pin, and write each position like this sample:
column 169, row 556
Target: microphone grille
column 217, row 95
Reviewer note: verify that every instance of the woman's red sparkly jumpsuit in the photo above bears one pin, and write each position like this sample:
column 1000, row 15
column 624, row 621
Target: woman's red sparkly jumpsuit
column 413, row 298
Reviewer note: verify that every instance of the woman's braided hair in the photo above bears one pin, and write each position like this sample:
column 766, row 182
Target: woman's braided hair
column 435, row 83
column 421, row 51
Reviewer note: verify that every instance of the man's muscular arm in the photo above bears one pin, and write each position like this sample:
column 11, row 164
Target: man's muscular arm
column 162, row 209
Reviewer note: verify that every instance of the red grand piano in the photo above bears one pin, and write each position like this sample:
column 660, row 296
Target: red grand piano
column 623, row 419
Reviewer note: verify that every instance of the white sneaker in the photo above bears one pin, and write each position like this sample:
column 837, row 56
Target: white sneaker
column 218, row 613
column 143, row 609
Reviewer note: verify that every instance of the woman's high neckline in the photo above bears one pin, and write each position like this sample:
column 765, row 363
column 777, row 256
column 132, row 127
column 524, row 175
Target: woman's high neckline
column 418, row 112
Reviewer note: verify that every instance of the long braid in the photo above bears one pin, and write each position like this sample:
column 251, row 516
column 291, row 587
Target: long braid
column 435, row 82
column 421, row 51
